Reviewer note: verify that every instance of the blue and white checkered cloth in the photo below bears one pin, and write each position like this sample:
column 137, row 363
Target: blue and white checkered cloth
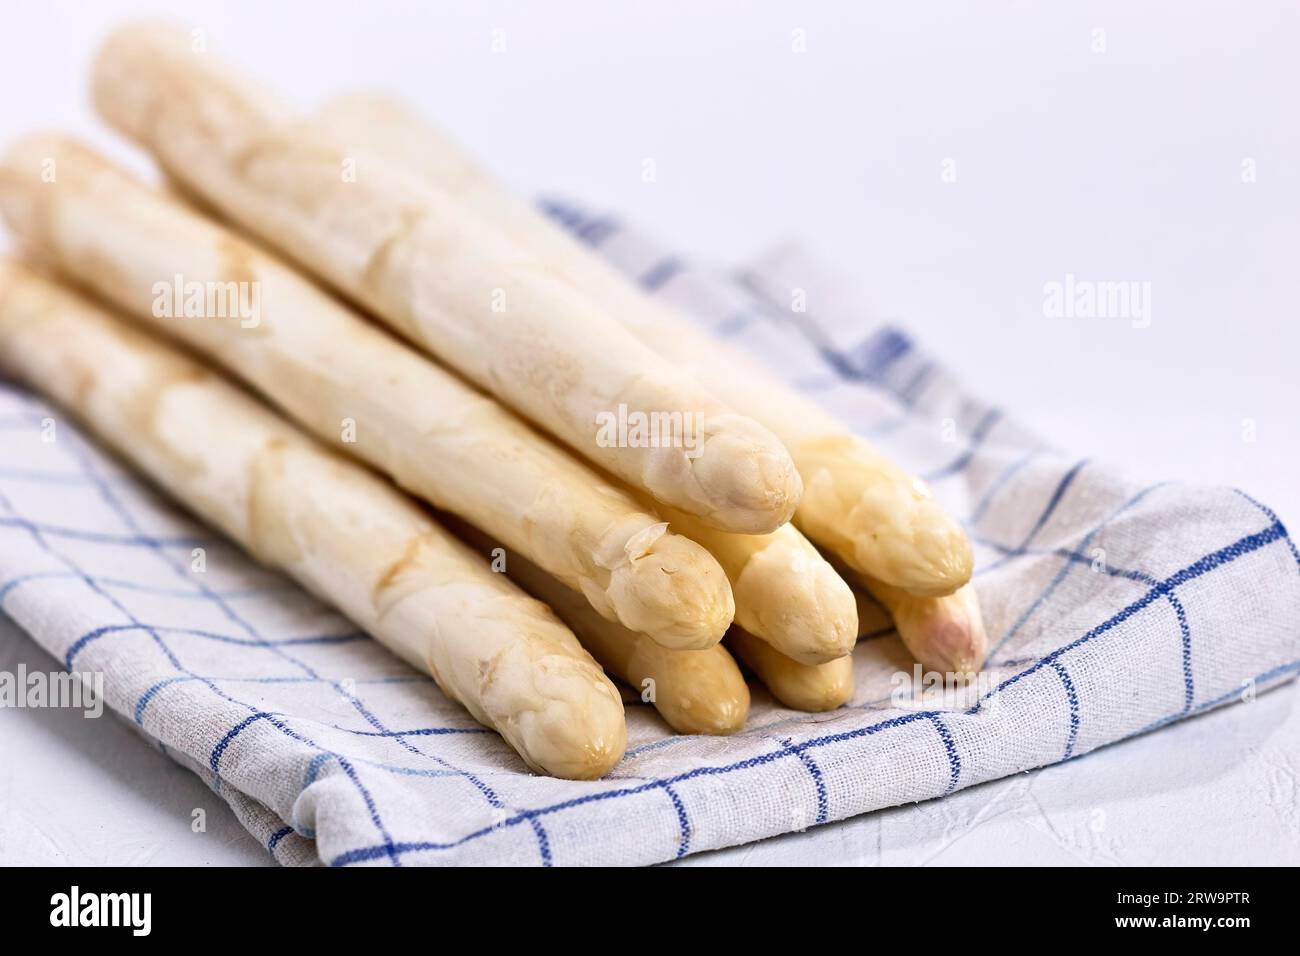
column 1112, row 609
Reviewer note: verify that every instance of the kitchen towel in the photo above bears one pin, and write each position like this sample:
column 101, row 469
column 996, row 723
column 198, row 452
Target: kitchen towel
column 1112, row 607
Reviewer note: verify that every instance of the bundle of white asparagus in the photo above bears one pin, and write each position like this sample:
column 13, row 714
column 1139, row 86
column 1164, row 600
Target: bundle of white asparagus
column 341, row 531
column 649, row 551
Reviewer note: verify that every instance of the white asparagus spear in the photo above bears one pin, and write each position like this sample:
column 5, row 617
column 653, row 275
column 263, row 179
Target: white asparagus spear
column 873, row 618
column 696, row 692
column 325, row 365
column 810, row 687
column 879, row 519
column 345, row 534
column 945, row 634
column 785, row 592
column 447, row 279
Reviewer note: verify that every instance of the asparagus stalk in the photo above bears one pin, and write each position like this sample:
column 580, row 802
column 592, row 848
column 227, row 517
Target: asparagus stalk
column 945, row 634
column 880, row 520
column 345, row 534
column 810, row 687
column 446, row 278
column 785, row 592
column 326, row 366
column 696, row 692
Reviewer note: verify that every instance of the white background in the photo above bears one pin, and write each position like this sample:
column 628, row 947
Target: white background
column 1117, row 165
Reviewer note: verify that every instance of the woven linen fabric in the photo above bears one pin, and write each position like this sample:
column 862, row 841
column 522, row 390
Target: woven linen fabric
column 1113, row 608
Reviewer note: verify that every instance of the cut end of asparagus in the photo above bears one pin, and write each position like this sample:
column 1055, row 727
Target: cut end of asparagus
column 806, row 610
column 145, row 71
column 675, row 592
column 35, row 171
column 747, row 479
column 117, row 63
column 559, row 712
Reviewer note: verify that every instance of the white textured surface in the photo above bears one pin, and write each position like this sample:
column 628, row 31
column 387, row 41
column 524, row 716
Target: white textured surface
column 1219, row 789
column 1123, row 166
column 94, row 792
